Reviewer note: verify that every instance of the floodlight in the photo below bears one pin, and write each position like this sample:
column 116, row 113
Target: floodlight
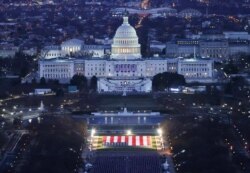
column 159, row 131
column 129, row 132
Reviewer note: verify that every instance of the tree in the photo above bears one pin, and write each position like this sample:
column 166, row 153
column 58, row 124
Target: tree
column 230, row 68
column 235, row 85
column 24, row 71
column 3, row 139
column 21, row 64
column 165, row 80
column 59, row 140
column 33, row 81
column 59, row 92
column 56, row 82
column 43, row 81
column 79, row 80
column 93, row 83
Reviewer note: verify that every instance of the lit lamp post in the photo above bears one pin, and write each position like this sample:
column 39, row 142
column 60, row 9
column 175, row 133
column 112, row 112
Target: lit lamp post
column 182, row 151
column 92, row 134
column 159, row 131
column 93, row 131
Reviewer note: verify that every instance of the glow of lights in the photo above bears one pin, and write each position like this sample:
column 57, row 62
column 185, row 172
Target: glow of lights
column 93, row 131
column 159, row 131
column 129, row 132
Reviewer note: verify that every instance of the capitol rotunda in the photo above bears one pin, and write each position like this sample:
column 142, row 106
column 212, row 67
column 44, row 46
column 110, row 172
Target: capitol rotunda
column 125, row 43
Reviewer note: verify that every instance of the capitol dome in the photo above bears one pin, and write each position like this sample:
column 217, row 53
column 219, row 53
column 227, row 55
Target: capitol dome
column 125, row 42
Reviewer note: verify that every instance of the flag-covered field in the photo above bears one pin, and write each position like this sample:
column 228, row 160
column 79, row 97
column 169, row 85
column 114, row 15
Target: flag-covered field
column 99, row 142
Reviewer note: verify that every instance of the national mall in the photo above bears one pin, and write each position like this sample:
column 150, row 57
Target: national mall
column 124, row 69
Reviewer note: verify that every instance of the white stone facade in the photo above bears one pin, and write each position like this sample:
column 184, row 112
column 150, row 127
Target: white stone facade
column 121, row 85
column 95, row 51
column 72, row 46
column 125, row 71
column 50, row 53
column 119, row 68
column 196, row 70
column 62, row 70
column 125, row 43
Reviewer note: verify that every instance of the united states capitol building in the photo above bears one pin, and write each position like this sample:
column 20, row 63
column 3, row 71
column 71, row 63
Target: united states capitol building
column 124, row 69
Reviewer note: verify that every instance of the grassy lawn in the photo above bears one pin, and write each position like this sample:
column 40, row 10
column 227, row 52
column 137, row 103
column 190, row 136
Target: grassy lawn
column 145, row 102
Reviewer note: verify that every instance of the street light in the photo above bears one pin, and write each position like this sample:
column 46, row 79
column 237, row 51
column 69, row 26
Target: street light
column 181, row 152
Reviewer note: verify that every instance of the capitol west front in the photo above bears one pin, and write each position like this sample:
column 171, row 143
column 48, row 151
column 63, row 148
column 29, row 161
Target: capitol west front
column 125, row 69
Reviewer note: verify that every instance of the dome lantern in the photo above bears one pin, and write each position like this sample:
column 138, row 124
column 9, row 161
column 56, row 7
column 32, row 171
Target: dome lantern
column 125, row 20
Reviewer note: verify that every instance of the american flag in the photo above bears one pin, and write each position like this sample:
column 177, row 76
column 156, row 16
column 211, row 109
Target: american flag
column 129, row 140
